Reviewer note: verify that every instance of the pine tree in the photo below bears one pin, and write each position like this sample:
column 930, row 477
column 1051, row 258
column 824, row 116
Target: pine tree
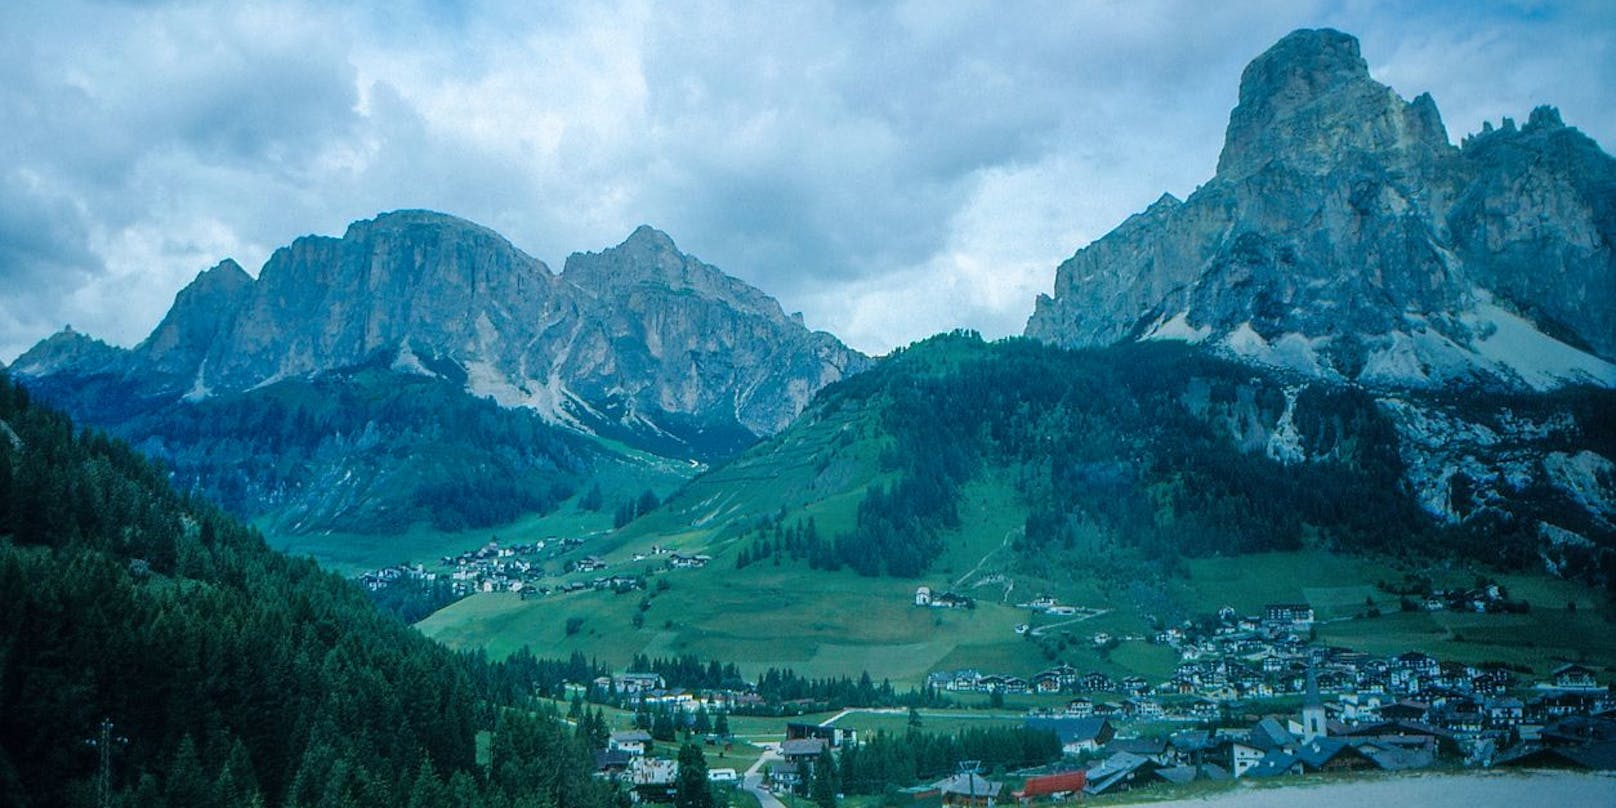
column 692, row 789
column 826, row 782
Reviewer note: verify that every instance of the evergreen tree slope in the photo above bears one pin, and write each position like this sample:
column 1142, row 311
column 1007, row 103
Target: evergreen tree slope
column 1150, row 451
column 231, row 675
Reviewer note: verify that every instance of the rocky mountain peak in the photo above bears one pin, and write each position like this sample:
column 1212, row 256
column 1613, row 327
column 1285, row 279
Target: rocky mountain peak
column 1343, row 237
column 649, row 261
column 201, row 311
column 68, row 348
column 1309, row 103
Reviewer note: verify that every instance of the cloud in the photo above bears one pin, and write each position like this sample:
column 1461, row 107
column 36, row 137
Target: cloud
column 890, row 170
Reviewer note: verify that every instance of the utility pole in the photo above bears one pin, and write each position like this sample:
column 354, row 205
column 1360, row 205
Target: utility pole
column 103, row 743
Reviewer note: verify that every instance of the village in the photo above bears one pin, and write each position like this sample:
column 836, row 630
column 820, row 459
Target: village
column 520, row 568
column 1253, row 698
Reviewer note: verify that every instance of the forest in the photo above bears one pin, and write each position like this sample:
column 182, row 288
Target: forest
column 290, row 450
column 1150, row 453
column 225, row 673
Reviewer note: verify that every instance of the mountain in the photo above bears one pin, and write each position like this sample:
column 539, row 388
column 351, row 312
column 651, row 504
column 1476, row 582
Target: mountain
column 1366, row 338
column 1167, row 451
column 1143, row 482
column 1343, row 237
column 302, row 394
column 221, row 672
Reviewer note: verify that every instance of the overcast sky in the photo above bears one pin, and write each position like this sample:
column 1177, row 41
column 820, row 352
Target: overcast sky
column 890, row 172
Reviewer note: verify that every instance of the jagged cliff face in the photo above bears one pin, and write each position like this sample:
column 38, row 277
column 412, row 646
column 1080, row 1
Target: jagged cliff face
column 640, row 339
column 1345, row 238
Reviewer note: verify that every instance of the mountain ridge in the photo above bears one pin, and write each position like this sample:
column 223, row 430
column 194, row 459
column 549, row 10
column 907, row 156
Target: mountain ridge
column 1344, row 237
column 640, row 347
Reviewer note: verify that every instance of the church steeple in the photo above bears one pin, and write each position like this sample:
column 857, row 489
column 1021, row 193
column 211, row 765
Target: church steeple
column 1313, row 724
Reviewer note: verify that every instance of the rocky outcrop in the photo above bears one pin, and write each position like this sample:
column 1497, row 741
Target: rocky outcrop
column 1536, row 224
column 1345, row 238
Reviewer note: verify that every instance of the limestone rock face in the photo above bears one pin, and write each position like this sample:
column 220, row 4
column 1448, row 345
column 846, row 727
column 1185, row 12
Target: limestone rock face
column 200, row 318
column 1345, row 238
column 639, row 339
column 433, row 281
column 1536, row 223
column 648, row 326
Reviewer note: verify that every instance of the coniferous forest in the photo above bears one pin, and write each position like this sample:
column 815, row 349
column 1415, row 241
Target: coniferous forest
column 225, row 673
column 1149, row 451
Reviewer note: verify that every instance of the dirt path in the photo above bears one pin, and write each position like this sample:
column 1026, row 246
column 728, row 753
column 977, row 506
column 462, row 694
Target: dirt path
column 1008, row 536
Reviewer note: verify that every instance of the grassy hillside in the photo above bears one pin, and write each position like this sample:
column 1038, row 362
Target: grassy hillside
column 1140, row 483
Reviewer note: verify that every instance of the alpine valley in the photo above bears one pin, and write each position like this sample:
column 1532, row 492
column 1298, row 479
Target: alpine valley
column 1358, row 364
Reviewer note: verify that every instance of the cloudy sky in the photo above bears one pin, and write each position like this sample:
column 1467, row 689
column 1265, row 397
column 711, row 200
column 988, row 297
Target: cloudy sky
column 890, row 171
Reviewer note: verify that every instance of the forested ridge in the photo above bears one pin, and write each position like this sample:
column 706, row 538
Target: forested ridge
column 1157, row 451
column 230, row 674
column 362, row 449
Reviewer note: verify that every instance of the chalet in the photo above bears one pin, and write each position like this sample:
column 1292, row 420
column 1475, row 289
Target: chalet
column 1288, row 614
column 1065, row 675
column 803, row 749
column 784, row 775
column 1243, row 756
column 635, row 742
column 922, row 596
column 679, row 561
column 1575, row 677
column 1077, row 735
column 1123, row 771
column 1046, row 682
column 1565, row 702
column 1153, row 748
column 1504, row 713
column 1094, row 681
column 1142, row 708
column 612, row 762
column 1318, row 755
column 1405, row 711
column 587, row 564
column 638, row 682
column 1080, row 708
column 1055, row 787
column 832, row 735
column 968, row 789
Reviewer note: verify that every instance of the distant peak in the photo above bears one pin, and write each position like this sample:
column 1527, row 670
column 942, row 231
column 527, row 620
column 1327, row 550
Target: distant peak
column 226, row 273
column 646, row 236
column 399, row 220
column 1308, row 102
column 1305, row 64
column 1544, row 117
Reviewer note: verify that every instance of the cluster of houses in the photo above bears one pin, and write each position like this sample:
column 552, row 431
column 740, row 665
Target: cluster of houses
column 519, row 568
column 627, row 760
column 1571, row 723
column 1545, row 732
column 1568, row 721
column 649, row 690
column 490, row 568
